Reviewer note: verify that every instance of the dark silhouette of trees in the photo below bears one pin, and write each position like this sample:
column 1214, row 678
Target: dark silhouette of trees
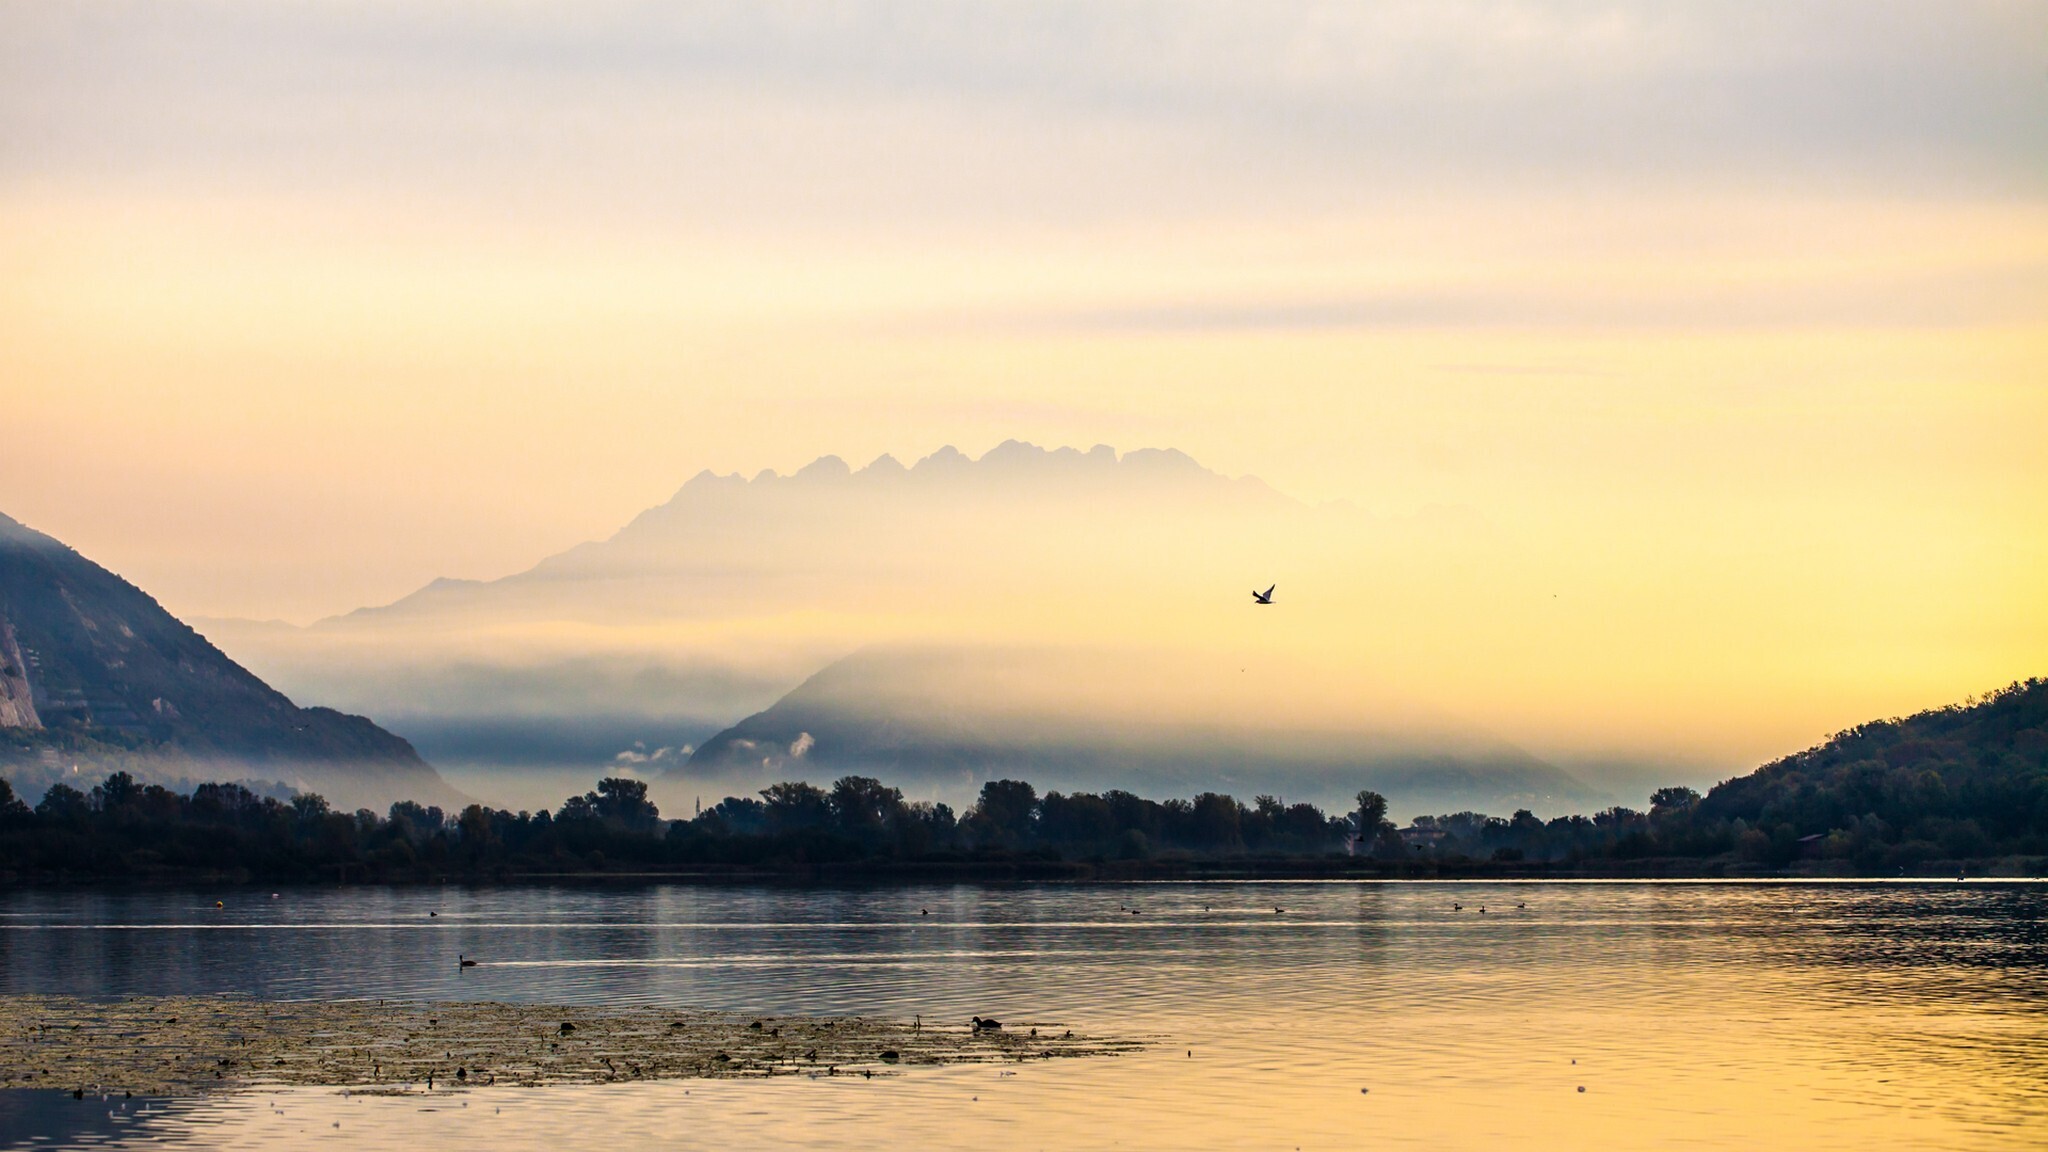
column 11, row 807
column 124, row 828
column 1666, row 801
column 1372, row 812
column 1005, row 813
column 1954, row 784
column 864, row 807
column 1213, row 824
column 1372, row 833
column 796, row 807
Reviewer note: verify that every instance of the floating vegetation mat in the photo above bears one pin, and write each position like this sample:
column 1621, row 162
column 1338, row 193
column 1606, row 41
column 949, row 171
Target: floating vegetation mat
column 167, row 1046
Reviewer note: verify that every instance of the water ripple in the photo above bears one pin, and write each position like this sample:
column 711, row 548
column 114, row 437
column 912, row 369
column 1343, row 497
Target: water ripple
column 1696, row 1015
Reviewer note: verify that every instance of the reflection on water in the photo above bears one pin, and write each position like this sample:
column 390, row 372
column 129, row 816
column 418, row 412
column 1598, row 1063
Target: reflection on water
column 37, row 1118
column 1692, row 1015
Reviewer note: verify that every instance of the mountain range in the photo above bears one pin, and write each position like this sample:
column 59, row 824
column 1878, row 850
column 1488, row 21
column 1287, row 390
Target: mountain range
column 1082, row 615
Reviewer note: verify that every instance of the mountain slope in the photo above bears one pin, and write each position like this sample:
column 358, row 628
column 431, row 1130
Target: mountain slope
column 1970, row 779
column 95, row 670
column 955, row 718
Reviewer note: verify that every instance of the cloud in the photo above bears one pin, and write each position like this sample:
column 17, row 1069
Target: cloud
column 802, row 745
column 2007, row 292
column 638, row 754
column 1068, row 110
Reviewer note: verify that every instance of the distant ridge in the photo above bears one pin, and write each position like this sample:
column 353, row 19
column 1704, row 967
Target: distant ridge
column 726, row 597
column 927, row 717
column 94, row 671
column 710, row 509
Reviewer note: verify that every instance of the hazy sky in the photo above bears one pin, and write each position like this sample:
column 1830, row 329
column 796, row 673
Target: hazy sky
column 1734, row 315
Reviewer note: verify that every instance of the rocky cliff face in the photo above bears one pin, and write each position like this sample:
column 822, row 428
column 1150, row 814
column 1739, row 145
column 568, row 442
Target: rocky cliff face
column 17, row 698
column 94, row 668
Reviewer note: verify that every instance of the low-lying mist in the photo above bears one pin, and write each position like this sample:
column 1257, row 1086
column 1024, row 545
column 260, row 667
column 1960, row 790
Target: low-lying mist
column 1085, row 601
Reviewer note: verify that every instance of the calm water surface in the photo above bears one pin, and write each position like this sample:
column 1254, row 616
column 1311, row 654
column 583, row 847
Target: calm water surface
column 1364, row 1015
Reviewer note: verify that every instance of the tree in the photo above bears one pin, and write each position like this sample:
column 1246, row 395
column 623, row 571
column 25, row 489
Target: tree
column 624, row 802
column 226, row 803
column 1306, row 827
column 1082, row 820
column 309, row 808
column 1665, row 801
column 475, row 826
column 863, row 805
column 413, row 821
column 115, row 792
column 10, row 804
column 794, row 806
column 736, row 816
column 64, row 803
column 1005, row 810
column 1372, row 812
column 1215, row 822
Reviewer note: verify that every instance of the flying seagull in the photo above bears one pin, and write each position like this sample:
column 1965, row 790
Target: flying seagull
column 1265, row 597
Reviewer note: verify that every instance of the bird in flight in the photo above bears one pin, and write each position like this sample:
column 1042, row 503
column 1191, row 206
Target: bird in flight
column 1265, row 597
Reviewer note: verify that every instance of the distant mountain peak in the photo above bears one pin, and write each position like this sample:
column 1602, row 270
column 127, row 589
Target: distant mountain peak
column 714, row 540
column 1015, row 450
column 946, row 457
column 1011, row 460
column 1161, row 458
column 824, row 468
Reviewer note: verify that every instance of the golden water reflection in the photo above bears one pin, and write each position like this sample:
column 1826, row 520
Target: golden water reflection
column 1364, row 1015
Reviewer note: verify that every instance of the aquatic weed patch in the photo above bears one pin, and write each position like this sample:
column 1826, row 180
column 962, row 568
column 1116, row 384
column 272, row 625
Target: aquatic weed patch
column 189, row 1044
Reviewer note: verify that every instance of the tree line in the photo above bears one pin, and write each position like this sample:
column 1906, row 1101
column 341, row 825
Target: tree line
column 1965, row 782
column 125, row 828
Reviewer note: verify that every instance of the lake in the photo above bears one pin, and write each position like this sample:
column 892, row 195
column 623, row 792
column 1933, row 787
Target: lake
column 1380, row 1015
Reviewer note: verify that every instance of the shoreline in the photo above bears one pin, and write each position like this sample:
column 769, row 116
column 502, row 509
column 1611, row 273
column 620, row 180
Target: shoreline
column 902, row 873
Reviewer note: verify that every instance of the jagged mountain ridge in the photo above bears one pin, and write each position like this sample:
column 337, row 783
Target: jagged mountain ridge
column 717, row 532
column 93, row 668
column 719, row 602
column 714, row 603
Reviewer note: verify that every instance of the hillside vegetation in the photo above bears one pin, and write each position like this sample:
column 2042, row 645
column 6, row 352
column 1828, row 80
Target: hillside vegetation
column 1967, row 780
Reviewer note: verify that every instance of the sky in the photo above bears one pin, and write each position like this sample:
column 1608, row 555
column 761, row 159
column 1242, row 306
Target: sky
column 1733, row 318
